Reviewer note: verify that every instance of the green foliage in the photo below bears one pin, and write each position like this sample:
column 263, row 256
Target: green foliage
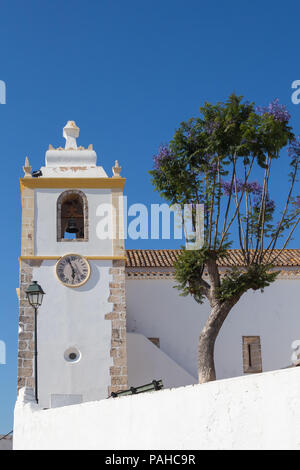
column 229, row 138
column 189, row 271
column 238, row 281
column 189, row 275
column 224, row 130
column 225, row 139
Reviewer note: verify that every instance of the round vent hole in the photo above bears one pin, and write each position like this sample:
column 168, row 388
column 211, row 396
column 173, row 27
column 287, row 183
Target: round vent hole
column 72, row 355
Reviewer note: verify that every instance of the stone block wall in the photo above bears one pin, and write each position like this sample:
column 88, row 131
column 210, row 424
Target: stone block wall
column 26, row 328
column 27, row 240
column 118, row 371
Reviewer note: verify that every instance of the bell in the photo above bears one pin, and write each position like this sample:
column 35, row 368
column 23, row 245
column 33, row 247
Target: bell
column 71, row 227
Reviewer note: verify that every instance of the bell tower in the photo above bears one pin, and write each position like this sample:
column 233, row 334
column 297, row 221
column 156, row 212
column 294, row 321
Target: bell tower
column 73, row 246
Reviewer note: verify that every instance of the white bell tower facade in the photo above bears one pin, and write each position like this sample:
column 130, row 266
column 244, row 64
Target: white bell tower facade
column 73, row 246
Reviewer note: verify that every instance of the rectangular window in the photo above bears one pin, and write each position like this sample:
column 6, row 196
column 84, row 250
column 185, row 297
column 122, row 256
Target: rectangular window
column 252, row 361
column 155, row 341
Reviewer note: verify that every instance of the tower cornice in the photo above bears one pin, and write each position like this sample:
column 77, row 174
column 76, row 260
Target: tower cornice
column 42, row 182
column 89, row 257
column 72, row 183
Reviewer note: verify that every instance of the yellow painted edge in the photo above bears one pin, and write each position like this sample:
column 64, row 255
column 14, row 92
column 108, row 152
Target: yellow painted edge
column 71, row 183
column 122, row 258
column 44, row 182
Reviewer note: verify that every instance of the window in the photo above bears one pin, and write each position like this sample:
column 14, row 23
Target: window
column 155, row 341
column 72, row 216
column 252, row 360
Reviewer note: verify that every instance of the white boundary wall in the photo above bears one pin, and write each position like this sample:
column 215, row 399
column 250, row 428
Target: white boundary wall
column 260, row 411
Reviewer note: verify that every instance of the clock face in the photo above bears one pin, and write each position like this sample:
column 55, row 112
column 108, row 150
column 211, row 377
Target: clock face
column 72, row 270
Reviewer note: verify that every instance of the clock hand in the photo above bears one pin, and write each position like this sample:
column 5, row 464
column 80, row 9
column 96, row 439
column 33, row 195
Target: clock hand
column 76, row 270
column 73, row 271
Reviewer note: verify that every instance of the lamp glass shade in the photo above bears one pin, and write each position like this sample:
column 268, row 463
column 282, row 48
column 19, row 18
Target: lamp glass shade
column 35, row 294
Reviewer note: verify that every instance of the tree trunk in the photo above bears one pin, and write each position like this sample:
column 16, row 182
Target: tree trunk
column 207, row 339
column 206, row 365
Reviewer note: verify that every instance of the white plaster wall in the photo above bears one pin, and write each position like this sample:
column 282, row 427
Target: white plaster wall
column 45, row 238
column 261, row 411
column 74, row 318
column 146, row 362
column 155, row 309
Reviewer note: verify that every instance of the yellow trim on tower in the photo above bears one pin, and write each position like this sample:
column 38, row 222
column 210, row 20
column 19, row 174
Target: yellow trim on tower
column 122, row 258
column 72, row 183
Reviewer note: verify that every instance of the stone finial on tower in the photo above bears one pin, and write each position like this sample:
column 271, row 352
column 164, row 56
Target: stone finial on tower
column 116, row 170
column 70, row 133
column 27, row 169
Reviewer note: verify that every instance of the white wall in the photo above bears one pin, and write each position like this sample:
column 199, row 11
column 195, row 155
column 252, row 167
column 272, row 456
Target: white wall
column 261, row 411
column 45, row 225
column 146, row 362
column 155, row 309
column 74, row 318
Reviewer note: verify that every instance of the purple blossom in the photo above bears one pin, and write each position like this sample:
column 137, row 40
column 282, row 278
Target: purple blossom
column 213, row 167
column 270, row 204
column 211, row 126
column 226, row 185
column 297, row 201
column 294, row 148
column 253, row 187
column 278, row 111
column 162, row 157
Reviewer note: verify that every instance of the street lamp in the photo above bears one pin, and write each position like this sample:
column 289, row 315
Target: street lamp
column 35, row 295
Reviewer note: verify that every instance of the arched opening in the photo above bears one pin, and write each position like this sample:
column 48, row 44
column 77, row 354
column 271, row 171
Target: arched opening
column 72, row 216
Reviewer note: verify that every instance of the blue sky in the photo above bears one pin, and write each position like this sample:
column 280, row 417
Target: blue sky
column 128, row 73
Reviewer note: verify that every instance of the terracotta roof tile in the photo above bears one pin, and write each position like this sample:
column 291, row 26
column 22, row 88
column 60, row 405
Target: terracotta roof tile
column 166, row 258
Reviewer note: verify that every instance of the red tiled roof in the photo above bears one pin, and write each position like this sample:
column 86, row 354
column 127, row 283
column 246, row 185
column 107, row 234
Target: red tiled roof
column 166, row 258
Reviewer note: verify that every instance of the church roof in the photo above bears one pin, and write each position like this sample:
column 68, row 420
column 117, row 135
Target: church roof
column 166, row 258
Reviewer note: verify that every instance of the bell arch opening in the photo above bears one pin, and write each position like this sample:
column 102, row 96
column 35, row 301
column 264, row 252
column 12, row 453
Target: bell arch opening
column 72, row 216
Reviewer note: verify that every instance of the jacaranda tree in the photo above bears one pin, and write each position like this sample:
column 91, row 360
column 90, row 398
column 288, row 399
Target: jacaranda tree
column 212, row 160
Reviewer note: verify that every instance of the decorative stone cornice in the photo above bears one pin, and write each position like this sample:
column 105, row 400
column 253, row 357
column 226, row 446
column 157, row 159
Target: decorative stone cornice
column 70, row 183
column 286, row 274
column 144, row 274
column 90, row 147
